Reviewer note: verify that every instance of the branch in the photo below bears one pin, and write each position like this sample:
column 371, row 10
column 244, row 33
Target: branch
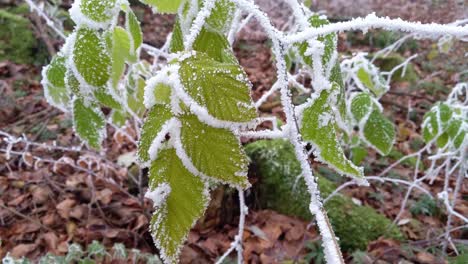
column 432, row 30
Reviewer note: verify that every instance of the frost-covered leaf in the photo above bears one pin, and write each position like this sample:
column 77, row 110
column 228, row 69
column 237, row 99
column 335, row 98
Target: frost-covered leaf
column 318, row 126
column 133, row 26
column 91, row 57
column 361, row 105
column 177, row 39
column 379, row 132
column 328, row 40
column 103, row 96
column 336, row 77
column 457, row 130
column 94, row 13
column 72, row 83
column 164, row 6
column 89, row 123
column 223, row 88
column 370, row 77
column 445, row 124
column 118, row 118
column 55, row 90
column 157, row 117
column 135, row 93
column 221, row 16
column 214, row 45
column 178, row 211
column 120, row 53
column 215, row 152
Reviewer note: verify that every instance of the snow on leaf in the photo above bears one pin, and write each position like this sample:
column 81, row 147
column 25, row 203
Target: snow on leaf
column 223, row 88
column 215, row 152
column 91, row 57
column 179, row 209
column 89, row 123
column 318, row 126
column 157, row 117
column 53, row 81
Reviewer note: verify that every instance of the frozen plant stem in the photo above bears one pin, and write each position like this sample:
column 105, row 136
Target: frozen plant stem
column 330, row 244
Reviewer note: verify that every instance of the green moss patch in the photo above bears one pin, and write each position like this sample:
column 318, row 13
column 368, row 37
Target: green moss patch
column 282, row 189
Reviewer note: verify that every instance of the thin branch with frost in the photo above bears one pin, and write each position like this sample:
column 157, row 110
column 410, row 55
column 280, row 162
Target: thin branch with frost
column 371, row 21
column 43, row 15
column 237, row 243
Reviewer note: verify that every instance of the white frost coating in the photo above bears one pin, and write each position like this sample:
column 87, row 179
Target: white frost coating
column 159, row 194
column 81, row 19
column 158, row 140
column 198, row 23
column 331, row 248
column 432, row 30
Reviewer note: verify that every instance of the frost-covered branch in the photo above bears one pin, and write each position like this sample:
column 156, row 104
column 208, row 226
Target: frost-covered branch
column 371, row 21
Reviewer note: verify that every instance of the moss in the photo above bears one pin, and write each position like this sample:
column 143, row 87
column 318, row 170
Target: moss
column 280, row 189
column 17, row 41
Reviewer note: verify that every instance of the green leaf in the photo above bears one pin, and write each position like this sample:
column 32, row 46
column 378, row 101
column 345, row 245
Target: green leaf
column 185, row 203
column 91, row 57
column 120, row 54
column 221, row 16
column 444, row 123
column 135, row 94
column 104, row 97
column 215, row 152
column 361, row 105
column 162, row 94
column 336, row 77
column 72, row 83
column 157, row 117
column 55, row 90
column 177, row 39
column 118, row 118
column 456, row 132
column 318, row 127
column 370, row 77
column 164, row 6
column 358, row 154
column 223, row 88
column 379, row 132
column 214, row 45
column 99, row 10
column 133, row 26
column 89, row 123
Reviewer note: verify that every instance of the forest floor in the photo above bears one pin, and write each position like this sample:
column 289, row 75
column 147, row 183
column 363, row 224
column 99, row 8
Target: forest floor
column 87, row 196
